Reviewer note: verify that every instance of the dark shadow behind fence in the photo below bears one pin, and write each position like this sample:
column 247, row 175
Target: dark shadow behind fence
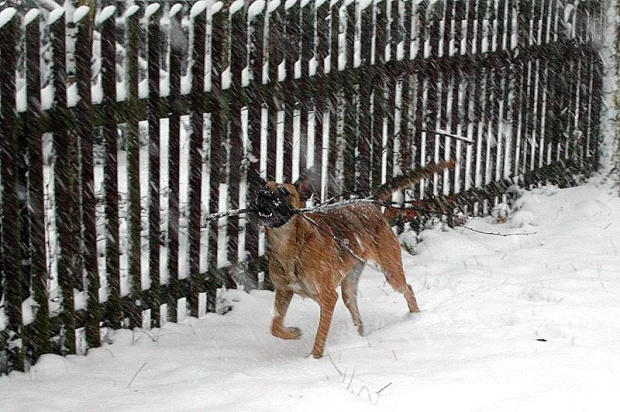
column 122, row 130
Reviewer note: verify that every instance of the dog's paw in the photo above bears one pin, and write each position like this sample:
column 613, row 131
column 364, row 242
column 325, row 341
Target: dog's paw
column 360, row 330
column 316, row 354
column 290, row 333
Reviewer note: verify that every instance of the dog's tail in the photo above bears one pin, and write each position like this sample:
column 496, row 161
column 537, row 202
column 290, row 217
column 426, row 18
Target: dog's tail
column 404, row 181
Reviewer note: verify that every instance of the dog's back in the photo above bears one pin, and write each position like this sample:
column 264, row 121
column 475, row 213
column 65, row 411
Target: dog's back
column 360, row 229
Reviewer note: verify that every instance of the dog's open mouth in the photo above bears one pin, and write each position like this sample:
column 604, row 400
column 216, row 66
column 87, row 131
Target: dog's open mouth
column 266, row 216
column 271, row 209
column 273, row 217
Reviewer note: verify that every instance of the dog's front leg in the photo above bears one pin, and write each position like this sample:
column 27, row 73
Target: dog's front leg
column 283, row 300
column 327, row 301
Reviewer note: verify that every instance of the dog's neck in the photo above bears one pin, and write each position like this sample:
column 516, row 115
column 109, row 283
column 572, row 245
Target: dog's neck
column 281, row 237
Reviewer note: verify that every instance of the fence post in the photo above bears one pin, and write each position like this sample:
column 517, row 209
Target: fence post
column 391, row 86
column 11, row 251
column 110, row 171
column 366, row 74
column 432, row 121
column 154, row 107
column 276, row 57
column 83, row 51
column 65, row 184
column 219, row 115
column 457, row 122
column 238, row 100
column 290, row 43
column 350, row 103
column 197, row 279
column 306, row 82
column 419, row 81
column 134, row 214
column 334, row 89
column 253, row 156
column 41, row 340
column 379, row 102
column 177, row 57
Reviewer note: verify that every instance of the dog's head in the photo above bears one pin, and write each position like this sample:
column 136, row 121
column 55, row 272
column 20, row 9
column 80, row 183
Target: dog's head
column 277, row 203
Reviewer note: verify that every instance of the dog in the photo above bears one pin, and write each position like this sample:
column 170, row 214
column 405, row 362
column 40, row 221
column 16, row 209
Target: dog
column 311, row 254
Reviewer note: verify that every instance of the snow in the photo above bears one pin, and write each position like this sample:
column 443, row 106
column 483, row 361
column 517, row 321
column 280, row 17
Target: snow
column 522, row 322
column 106, row 13
column 226, row 78
column 364, row 3
column 175, row 9
column 6, row 15
column 217, row 7
column 131, row 10
column 273, row 6
column 255, row 9
column 150, row 10
column 55, row 15
column 80, row 13
column 236, row 6
column 30, row 16
column 198, row 8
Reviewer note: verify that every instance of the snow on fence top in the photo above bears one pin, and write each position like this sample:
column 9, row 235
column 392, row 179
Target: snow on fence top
column 153, row 123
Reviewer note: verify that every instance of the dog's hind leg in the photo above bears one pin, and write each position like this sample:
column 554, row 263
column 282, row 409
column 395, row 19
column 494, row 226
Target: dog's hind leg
column 283, row 300
column 391, row 263
column 327, row 301
column 349, row 295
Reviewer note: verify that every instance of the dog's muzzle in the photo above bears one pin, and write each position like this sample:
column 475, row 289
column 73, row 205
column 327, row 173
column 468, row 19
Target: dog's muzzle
column 272, row 207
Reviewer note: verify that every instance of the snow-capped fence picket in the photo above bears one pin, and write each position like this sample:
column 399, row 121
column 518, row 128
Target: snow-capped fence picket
column 122, row 129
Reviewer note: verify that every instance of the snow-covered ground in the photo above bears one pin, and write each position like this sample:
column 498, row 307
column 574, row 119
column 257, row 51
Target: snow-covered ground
column 525, row 322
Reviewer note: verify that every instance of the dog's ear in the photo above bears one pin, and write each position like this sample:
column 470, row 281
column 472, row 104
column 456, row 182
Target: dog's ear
column 309, row 183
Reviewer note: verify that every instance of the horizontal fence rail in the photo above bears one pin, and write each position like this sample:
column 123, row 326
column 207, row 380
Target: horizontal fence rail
column 122, row 128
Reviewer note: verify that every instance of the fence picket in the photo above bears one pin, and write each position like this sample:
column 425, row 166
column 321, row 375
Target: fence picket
column 154, row 114
column 32, row 133
column 237, row 101
column 84, row 131
column 458, row 100
column 306, row 85
column 350, row 102
column 255, row 115
column 194, row 220
column 321, row 103
column 177, row 58
column 333, row 87
column 110, row 174
column 290, row 42
column 134, row 216
column 379, row 96
column 367, row 88
column 66, row 188
column 217, row 156
column 276, row 58
column 11, row 259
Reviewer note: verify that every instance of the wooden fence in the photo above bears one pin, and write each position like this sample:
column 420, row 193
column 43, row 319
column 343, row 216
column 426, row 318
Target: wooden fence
column 122, row 129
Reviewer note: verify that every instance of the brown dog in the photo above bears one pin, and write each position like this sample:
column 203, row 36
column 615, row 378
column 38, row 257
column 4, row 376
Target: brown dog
column 311, row 254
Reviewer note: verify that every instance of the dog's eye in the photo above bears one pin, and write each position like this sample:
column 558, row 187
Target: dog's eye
column 284, row 191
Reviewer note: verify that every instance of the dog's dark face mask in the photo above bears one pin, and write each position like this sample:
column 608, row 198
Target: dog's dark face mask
column 275, row 204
